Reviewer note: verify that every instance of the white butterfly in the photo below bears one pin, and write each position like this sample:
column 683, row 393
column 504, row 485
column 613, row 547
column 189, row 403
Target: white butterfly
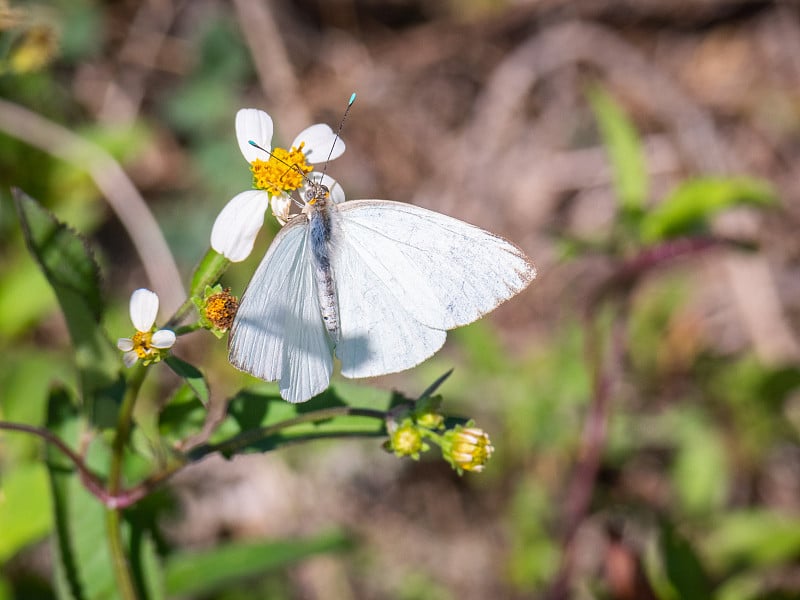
column 376, row 282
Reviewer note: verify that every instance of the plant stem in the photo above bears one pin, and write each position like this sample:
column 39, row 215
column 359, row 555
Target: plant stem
column 243, row 440
column 119, row 559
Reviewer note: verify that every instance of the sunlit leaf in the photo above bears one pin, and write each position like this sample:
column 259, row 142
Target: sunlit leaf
column 191, row 573
column 25, row 513
column 689, row 207
column 753, row 538
column 72, row 272
column 624, row 150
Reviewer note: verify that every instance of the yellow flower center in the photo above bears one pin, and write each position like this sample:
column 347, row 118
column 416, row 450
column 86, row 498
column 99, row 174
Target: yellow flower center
column 283, row 172
column 142, row 343
column 406, row 441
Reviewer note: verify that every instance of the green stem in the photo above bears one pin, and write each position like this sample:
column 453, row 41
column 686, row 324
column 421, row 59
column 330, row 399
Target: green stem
column 183, row 330
column 124, row 423
column 247, row 438
column 119, row 559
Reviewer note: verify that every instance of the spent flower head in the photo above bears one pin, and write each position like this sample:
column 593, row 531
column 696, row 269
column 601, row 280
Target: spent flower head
column 147, row 343
column 277, row 174
column 217, row 309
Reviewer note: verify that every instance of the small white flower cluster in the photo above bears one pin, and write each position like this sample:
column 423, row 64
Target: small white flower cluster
column 145, row 343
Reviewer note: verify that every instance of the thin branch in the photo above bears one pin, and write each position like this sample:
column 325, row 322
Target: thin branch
column 275, row 72
column 90, row 480
column 112, row 181
column 250, row 437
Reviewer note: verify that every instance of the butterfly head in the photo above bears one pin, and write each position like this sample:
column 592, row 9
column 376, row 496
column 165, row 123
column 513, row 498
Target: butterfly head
column 316, row 193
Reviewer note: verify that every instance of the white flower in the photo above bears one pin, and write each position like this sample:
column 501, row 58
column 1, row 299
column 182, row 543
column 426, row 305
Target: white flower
column 146, row 343
column 277, row 173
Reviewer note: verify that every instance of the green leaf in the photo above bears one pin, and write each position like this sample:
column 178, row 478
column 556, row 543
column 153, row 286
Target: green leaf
column 25, row 512
column 756, row 538
column 83, row 560
column 254, row 409
column 24, row 397
column 183, row 416
column 682, row 565
column 62, row 420
column 62, row 254
column 689, row 207
column 624, row 149
column 701, row 469
column 191, row 375
column 193, row 573
column 72, row 272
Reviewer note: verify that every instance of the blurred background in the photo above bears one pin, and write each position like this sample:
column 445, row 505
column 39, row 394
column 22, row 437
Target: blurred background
column 677, row 477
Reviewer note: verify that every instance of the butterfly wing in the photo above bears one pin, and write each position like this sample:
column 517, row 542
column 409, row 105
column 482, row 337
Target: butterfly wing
column 278, row 332
column 407, row 274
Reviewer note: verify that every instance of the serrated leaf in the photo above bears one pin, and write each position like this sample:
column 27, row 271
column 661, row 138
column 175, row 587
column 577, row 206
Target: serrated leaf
column 193, row 573
column 624, row 149
column 62, row 254
column 72, row 272
column 191, row 375
column 688, row 208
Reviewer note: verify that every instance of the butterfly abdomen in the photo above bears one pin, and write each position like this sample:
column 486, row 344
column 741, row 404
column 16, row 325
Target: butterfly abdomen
column 320, row 230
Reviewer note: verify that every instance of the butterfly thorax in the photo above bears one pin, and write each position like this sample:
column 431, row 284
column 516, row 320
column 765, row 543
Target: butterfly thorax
column 319, row 210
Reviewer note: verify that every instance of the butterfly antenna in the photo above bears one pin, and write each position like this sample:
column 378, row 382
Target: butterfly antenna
column 338, row 131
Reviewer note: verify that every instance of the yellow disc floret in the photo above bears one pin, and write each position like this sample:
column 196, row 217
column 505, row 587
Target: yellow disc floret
column 142, row 343
column 284, row 171
column 221, row 309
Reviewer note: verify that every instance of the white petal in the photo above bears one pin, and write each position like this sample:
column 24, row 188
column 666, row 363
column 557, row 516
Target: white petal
column 238, row 224
column 125, row 344
column 319, row 140
column 129, row 358
column 281, row 205
column 163, row 339
column 253, row 125
column 144, row 308
column 336, row 190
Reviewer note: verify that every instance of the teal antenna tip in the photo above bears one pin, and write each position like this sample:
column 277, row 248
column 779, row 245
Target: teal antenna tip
column 352, row 99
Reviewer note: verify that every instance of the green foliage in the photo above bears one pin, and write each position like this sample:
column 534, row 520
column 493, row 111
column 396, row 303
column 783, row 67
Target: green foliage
column 622, row 143
column 192, row 376
column 689, row 207
column 24, row 508
column 74, row 276
column 190, row 573
column 259, row 420
column 682, row 566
